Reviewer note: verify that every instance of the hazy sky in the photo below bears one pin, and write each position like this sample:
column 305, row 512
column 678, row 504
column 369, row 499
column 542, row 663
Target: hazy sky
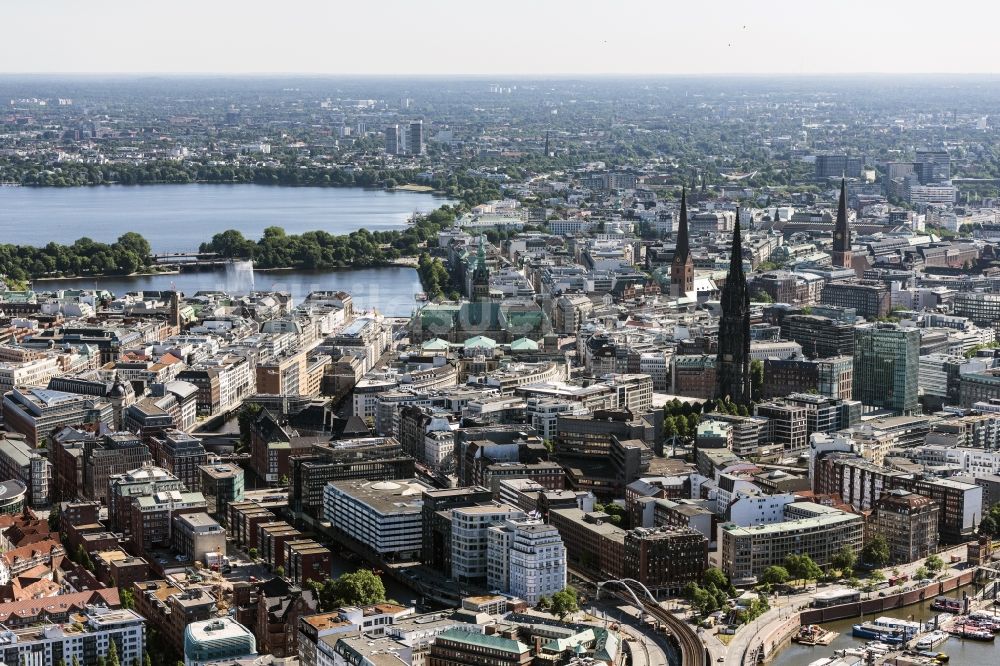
column 499, row 36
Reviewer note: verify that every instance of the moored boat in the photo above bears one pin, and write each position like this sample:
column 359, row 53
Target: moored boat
column 908, row 628
column 947, row 604
column 976, row 634
column 932, row 640
column 875, row 632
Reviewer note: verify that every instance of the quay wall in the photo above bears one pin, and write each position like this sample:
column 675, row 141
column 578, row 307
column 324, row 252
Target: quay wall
column 889, row 602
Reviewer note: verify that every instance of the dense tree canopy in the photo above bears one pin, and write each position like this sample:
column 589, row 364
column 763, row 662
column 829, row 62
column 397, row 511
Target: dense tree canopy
column 130, row 253
column 360, row 588
column 876, row 552
column 564, row 602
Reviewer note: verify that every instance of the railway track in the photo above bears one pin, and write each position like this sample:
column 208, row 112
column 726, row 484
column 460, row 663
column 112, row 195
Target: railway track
column 693, row 651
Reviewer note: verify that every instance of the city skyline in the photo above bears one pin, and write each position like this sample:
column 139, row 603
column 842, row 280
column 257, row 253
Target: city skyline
column 446, row 38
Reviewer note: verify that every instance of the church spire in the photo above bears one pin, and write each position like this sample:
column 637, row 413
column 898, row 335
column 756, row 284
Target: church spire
column 683, row 244
column 736, row 255
column 682, row 265
column 842, row 232
column 732, row 365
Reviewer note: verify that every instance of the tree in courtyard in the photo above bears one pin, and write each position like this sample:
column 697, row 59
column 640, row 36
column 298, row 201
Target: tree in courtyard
column 564, row 602
column 934, row 564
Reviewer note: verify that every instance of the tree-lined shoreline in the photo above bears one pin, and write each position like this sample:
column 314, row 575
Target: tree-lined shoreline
column 131, row 254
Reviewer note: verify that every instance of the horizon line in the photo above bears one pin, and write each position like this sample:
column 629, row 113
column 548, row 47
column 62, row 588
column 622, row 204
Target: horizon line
column 489, row 75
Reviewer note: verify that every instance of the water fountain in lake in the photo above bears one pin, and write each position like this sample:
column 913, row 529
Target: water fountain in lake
column 239, row 277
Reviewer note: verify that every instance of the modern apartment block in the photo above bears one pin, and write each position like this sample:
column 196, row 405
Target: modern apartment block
column 786, row 424
column 393, row 140
column 368, row 458
column 415, row 138
column 83, row 640
column 961, row 506
column 124, row 489
column 747, row 551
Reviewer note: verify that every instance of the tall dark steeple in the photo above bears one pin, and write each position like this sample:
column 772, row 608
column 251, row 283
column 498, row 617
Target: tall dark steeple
column 842, row 255
column 682, row 265
column 481, row 274
column 732, row 365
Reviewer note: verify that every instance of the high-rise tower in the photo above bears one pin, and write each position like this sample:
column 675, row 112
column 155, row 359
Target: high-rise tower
column 842, row 255
column 682, row 266
column 415, row 138
column 394, row 140
column 732, row 365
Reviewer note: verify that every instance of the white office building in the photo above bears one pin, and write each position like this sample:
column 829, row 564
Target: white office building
column 525, row 558
column 383, row 515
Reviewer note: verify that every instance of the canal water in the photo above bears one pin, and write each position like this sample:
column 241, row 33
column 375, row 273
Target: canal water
column 961, row 651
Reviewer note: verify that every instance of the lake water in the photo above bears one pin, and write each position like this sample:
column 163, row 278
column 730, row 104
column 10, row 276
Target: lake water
column 389, row 290
column 178, row 218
